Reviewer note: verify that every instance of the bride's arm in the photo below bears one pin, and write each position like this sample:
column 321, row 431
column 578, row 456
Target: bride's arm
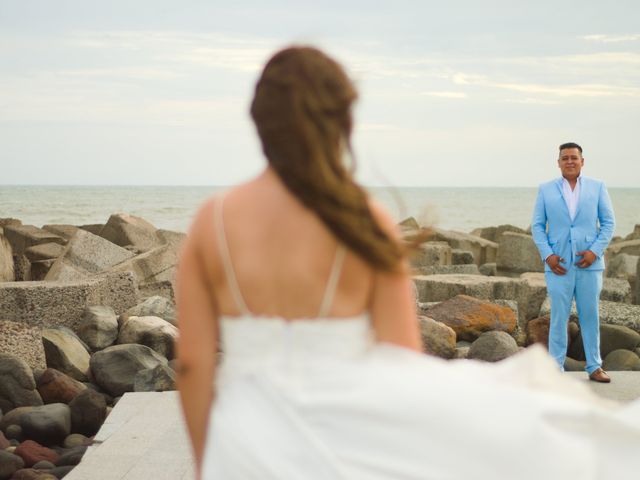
column 197, row 342
column 393, row 306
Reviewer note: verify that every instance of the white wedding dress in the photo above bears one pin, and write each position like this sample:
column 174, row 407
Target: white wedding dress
column 318, row 399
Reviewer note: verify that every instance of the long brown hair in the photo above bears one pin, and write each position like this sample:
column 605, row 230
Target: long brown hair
column 302, row 110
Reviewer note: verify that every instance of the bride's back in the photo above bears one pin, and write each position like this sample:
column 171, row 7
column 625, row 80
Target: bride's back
column 281, row 255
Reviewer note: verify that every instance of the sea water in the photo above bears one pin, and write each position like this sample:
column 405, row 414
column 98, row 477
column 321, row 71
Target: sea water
column 173, row 207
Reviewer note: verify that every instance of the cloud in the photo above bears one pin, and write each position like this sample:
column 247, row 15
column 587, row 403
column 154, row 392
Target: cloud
column 567, row 90
column 445, row 94
column 612, row 38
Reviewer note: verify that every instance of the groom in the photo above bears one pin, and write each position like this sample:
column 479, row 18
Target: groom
column 572, row 225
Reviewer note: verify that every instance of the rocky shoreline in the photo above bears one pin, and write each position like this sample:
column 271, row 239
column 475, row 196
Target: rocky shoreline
column 87, row 314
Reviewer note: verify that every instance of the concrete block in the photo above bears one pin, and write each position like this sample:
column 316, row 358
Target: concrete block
column 461, row 257
column 40, row 269
column 494, row 234
column 21, row 268
column 468, row 269
column 518, row 253
column 86, row 254
column 635, row 235
column 152, row 268
column 22, row 237
column 430, row 254
column 409, row 222
column 47, row 304
column 24, row 341
column 63, row 230
column 612, row 313
column 94, row 228
column 123, row 230
column 637, row 299
column 484, row 251
column 6, row 261
column 44, row 251
column 630, row 247
column 616, row 290
column 437, row 288
column 488, row 269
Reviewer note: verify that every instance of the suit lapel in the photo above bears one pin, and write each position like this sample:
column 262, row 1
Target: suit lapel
column 562, row 199
column 581, row 195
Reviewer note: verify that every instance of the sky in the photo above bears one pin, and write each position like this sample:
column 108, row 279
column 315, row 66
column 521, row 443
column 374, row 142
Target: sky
column 456, row 93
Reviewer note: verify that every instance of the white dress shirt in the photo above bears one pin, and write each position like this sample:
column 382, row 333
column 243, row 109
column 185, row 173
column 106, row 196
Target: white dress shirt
column 571, row 197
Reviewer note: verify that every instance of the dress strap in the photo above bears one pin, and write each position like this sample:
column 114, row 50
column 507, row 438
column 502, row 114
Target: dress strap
column 226, row 259
column 332, row 284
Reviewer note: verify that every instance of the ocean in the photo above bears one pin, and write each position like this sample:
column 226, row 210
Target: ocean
column 173, row 207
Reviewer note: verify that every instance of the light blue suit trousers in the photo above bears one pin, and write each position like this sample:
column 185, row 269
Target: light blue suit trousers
column 555, row 233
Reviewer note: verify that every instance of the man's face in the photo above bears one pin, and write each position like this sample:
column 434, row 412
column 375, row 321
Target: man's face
column 570, row 162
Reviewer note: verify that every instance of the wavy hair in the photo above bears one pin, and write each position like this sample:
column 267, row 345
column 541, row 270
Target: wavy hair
column 302, row 111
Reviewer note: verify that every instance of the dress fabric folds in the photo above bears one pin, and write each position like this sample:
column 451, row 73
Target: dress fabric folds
column 318, row 399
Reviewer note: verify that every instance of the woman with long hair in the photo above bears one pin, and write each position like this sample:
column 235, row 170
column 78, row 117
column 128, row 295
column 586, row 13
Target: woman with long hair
column 302, row 282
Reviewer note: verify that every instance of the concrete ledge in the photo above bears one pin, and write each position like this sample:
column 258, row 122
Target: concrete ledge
column 144, row 437
column 624, row 386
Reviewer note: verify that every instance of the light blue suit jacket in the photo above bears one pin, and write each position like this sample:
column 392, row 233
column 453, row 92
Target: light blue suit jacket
column 592, row 228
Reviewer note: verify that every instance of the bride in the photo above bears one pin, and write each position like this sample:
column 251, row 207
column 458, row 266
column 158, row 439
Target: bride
column 302, row 281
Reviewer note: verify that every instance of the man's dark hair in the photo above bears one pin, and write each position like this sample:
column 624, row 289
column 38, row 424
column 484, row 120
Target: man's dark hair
column 571, row 145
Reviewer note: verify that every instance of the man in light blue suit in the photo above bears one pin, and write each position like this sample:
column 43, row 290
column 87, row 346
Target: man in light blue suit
column 572, row 225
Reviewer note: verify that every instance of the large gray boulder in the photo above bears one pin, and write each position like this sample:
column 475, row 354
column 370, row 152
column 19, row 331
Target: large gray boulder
column 437, row 338
column 517, row 253
column 616, row 337
column 66, row 352
column 612, row 337
column 98, row 327
column 86, row 254
column 161, row 378
column 153, row 332
column 155, row 306
column 493, row 347
column 88, row 412
column 17, row 385
column 621, row 360
column 57, row 387
column 483, row 251
column 130, row 231
column 115, row 368
column 48, row 424
column 432, row 253
column 9, row 464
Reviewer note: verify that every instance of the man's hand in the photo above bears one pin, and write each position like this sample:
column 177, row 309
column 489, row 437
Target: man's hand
column 554, row 262
column 588, row 257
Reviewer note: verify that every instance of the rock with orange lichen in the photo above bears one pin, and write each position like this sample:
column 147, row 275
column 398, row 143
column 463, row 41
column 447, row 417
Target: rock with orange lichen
column 470, row 317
